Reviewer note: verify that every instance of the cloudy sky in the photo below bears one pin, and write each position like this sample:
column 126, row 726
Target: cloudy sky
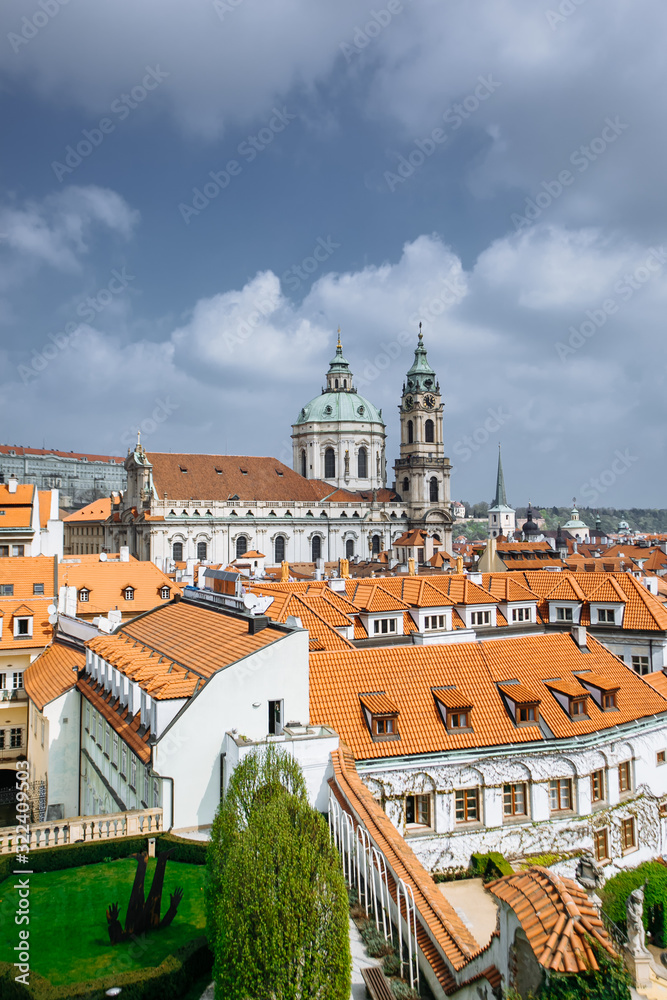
column 195, row 195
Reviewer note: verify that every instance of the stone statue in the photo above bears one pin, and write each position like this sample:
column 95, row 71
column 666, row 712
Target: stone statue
column 635, row 924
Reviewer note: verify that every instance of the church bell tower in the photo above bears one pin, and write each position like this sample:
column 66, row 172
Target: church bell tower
column 422, row 470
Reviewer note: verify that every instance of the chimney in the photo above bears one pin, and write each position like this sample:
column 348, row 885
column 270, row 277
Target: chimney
column 256, row 623
column 124, row 553
column 579, row 636
column 12, row 483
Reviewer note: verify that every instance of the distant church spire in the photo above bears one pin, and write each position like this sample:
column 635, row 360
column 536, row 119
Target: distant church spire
column 500, row 499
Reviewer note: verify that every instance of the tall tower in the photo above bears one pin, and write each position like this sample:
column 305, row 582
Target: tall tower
column 502, row 517
column 339, row 436
column 422, row 470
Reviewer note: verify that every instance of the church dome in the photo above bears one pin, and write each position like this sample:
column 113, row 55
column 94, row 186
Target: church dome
column 345, row 406
column 529, row 526
column 340, row 401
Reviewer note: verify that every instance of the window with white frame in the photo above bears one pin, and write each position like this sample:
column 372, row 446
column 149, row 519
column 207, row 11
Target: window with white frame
column 606, row 616
column 564, row 615
column 128, row 593
column 480, row 617
column 435, row 622
column 384, row 626
column 84, row 595
column 520, row 614
column 560, row 795
column 17, row 680
column 164, row 593
column 22, row 627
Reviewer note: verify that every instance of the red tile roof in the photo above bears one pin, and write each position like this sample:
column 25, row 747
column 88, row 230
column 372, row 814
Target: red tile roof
column 52, row 673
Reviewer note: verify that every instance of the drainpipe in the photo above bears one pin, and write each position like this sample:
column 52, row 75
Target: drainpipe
column 171, row 822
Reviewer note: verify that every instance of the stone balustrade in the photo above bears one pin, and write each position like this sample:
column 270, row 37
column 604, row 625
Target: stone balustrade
column 81, row 829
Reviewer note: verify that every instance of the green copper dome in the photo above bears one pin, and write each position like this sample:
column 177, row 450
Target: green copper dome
column 421, row 377
column 340, row 400
column 347, row 406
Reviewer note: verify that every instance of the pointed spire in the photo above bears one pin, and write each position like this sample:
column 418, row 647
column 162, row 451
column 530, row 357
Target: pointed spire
column 500, row 497
column 339, row 343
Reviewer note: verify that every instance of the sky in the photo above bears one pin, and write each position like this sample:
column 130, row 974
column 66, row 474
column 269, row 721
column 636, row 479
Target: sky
column 195, row 195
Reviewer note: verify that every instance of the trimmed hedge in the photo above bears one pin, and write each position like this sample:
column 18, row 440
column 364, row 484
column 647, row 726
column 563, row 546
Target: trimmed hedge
column 51, row 859
column 191, row 852
column 617, row 889
column 167, row 981
column 489, row 866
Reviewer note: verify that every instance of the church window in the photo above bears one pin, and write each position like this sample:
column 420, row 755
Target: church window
column 202, row 552
column 303, row 462
column 433, row 489
column 336, row 383
column 177, row 552
column 406, row 485
column 241, row 546
column 411, row 432
column 344, row 383
column 429, row 431
column 376, row 544
column 329, row 464
column 279, row 549
column 349, row 548
column 362, row 463
column 317, row 548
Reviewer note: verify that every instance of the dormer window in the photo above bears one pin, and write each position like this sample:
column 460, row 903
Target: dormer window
column 23, row 628
column 606, row 616
column 603, row 690
column 164, row 593
column 381, row 716
column 523, row 704
column 578, row 708
column 384, row 626
column 455, row 709
column 128, row 593
column 609, row 703
column 564, row 614
column 84, row 595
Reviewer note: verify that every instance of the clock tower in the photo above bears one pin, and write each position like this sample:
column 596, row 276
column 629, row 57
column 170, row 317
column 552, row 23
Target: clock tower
column 422, row 471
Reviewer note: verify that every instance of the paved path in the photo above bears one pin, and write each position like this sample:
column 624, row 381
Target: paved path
column 360, row 960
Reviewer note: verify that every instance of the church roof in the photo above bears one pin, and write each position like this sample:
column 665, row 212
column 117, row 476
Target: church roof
column 500, row 499
column 421, row 376
column 339, row 406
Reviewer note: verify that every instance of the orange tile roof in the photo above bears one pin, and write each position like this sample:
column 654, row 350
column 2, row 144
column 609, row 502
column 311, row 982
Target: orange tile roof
column 320, row 618
column 452, row 697
column 600, row 681
column 98, row 510
column 107, row 581
column 566, row 685
column 657, row 680
column 504, row 587
column 42, row 630
column 52, row 673
column 44, row 507
column 15, row 517
column 408, row 674
column 23, row 497
column 370, row 596
column 566, row 589
column 557, row 918
column 519, row 693
column 26, row 571
column 200, row 640
column 460, row 589
column 608, row 591
column 417, row 591
column 7, row 449
column 377, row 703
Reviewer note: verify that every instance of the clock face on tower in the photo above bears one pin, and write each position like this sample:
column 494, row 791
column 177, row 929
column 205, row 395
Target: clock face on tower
column 429, row 402
column 408, row 402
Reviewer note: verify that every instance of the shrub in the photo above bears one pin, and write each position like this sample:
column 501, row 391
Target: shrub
column 611, row 982
column 391, row 965
column 276, row 896
column 190, row 852
column 376, row 943
column 453, row 874
column 490, row 866
column 402, row 991
column 619, row 887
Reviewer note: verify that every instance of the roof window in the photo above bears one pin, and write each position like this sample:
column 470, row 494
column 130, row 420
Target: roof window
column 455, row 709
column 522, row 703
column 182, row 469
column 381, row 716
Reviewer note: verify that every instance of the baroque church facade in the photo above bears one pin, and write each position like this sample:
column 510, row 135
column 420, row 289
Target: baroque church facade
column 333, row 504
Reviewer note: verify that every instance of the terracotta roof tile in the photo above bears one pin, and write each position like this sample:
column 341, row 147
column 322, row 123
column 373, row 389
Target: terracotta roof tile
column 377, row 703
column 99, row 510
column 52, row 673
column 107, row 581
column 125, row 725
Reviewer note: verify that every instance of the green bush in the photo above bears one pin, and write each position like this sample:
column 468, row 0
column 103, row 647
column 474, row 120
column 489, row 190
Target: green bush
column 453, row 874
column 167, row 981
column 610, row 982
column 402, row 991
column 277, row 904
column 391, row 965
column 91, row 852
column 490, row 866
column 376, row 943
column 619, row 887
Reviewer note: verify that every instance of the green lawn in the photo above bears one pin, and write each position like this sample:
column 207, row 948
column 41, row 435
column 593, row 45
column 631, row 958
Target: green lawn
column 69, row 941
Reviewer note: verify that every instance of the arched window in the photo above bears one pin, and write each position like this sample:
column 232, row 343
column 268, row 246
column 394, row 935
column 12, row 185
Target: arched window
column 428, row 431
column 411, row 432
column 349, row 548
column 329, row 464
column 241, row 546
column 303, row 462
column 317, row 548
column 344, row 383
column 279, row 549
column 362, row 463
column 406, row 485
column 376, row 544
column 433, row 489
column 177, row 551
column 336, row 383
column 436, row 538
column 202, row 551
